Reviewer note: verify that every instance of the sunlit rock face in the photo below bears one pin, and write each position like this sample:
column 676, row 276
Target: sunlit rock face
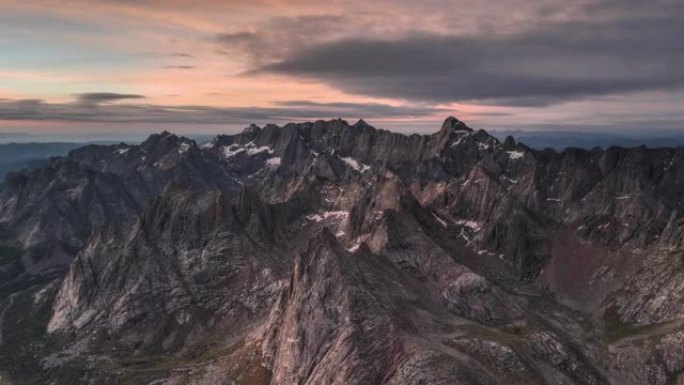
column 330, row 253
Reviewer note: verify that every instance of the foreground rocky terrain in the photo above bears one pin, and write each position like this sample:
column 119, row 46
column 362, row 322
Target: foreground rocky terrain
column 329, row 253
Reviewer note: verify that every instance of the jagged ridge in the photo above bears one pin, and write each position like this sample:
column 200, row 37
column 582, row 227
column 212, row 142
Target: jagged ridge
column 324, row 252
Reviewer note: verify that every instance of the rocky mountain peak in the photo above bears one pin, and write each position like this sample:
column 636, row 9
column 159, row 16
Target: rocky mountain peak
column 509, row 143
column 252, row 129
column 165, row 145
column 362, row 124
column 164, row 138
column 451, row 124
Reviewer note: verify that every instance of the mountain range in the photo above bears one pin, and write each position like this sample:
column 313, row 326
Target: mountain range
column 335, row 253
column 17, row 156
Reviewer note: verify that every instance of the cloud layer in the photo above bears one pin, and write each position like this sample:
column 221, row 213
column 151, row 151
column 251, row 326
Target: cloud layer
column 91, row 108
column 548, row 64
column 90, row 98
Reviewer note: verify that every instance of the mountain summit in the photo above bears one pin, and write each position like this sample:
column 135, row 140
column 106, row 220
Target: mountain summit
column 328, row 253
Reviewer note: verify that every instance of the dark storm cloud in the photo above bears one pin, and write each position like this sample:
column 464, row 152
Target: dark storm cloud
column 626, row 51
column 39, row 110
column 104, row 97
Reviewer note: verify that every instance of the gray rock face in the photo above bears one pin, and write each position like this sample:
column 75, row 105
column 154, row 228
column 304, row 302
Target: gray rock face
column 329, row 253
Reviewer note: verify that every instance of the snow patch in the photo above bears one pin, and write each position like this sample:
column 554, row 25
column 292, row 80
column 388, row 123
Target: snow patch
column 327, row 214
column 273, row 162
column 249, row 148
column 457, row 142
column 351, row 162
column 232, row 150
column 440, row 220
column 669, row 165
column 514, row 181
column 513, row 155
column 184, row 147
column 122, row 151
column 461, row 137
column 469, row 224
column 465, row 237
column 354, row 247
column 253, row 149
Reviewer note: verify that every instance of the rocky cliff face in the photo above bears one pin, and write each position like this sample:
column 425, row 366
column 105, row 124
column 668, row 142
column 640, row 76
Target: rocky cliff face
column 329, row 253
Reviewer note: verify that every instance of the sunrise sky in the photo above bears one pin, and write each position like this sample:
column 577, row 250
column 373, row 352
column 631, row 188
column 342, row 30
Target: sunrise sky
column 124, row 67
